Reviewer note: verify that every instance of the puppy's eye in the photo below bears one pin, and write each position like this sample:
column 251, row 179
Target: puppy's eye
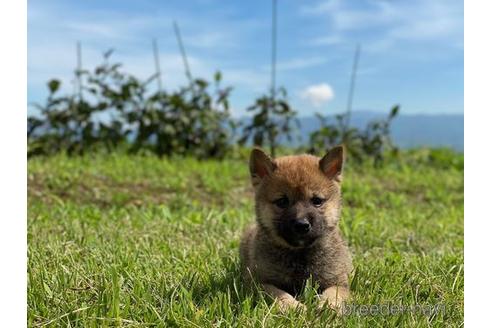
column 316, row 201
column 282, row 202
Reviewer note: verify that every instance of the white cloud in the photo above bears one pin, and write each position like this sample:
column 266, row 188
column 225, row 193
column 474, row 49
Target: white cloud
column 321, row 7
column 318, row 94
column 300, row 63
column 416, row 21
column 326, row 40
column 246, row 78
column 211, row 39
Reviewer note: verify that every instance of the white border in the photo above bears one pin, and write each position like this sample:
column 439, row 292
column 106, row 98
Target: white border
column 13, row 235
column 478, row 105
column 478, row 164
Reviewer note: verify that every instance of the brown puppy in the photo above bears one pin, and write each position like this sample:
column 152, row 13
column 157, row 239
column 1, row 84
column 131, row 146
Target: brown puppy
column 296, row 235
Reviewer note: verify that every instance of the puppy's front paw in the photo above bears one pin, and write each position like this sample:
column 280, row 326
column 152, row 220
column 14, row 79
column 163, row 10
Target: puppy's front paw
column 333, row 298
column 330, row 304
column 290, row 304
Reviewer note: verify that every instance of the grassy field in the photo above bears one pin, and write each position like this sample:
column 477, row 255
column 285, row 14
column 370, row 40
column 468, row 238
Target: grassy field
column 139, row 241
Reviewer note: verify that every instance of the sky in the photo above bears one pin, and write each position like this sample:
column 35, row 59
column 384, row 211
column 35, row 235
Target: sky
column 411, row 50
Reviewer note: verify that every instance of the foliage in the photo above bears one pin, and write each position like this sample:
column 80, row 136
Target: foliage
column 115, row 109
column 273, row 117
column 119, row 108
column 374, row 141
column 190, row 121
column 443, row 158
column 135, row 240
column 69, row 122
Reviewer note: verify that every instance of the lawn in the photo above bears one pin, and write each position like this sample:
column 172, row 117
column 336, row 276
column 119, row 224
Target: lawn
column 117, row 240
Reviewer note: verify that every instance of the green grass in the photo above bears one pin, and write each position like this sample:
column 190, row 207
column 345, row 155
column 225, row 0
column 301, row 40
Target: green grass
column 139, row 241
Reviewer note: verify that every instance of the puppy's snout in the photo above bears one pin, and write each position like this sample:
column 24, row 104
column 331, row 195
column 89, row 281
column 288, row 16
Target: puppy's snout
column 302, row 226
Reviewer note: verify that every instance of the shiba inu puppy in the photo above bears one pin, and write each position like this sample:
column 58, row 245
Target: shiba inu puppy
column 296, row 234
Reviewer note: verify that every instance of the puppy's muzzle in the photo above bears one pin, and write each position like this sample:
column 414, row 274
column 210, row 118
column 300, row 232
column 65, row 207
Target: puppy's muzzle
column 301, row 226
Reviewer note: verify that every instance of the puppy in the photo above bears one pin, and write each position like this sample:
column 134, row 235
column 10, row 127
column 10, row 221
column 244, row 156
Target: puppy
column 296, row 235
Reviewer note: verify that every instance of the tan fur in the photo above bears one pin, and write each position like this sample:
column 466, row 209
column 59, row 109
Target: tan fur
column 269, row 259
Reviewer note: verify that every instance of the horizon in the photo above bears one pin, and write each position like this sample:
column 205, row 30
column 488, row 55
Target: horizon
column 369, row 111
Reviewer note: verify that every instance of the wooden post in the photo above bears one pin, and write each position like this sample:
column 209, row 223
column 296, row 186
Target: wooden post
column 78, row 71
column 157, row 64
column 183, row 52
column 274, row 49
column 351, row 90
column 273, row 69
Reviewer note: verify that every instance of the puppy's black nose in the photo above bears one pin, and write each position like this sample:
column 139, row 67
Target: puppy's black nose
column 302, row 226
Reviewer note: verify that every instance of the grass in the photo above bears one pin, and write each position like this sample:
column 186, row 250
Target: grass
column 115, row 240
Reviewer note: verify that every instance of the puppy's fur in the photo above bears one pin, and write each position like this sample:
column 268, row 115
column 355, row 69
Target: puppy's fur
column 296, row 235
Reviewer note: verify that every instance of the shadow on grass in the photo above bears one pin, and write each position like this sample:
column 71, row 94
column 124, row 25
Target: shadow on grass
column 226, row 283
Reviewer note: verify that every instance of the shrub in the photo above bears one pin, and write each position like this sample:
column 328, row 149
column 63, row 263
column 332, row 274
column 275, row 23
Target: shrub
column 273, row 116
column 118, row 108
column 372, row 142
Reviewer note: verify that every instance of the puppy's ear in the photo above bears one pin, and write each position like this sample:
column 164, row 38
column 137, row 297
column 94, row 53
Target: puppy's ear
column 260, row 165
column 332, row 163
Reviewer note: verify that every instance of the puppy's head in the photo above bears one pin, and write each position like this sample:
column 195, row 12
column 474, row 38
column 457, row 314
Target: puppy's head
column 297, row 198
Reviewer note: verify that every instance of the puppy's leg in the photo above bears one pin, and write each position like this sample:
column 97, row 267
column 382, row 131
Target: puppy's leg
column 334, row 297
column 284, row 299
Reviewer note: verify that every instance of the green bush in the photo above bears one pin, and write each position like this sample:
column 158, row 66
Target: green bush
column 115, row 109
column 273, row 116
column 373, row 142
column 191, row 121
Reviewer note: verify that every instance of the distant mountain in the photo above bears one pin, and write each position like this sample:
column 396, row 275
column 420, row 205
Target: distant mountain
column 440, row 130
column 408, row 130
column 426, row 130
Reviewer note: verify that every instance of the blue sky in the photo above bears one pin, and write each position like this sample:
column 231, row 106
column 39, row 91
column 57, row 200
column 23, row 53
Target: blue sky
column 412, row 51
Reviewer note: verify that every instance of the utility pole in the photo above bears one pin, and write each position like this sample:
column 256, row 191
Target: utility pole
column 273, row 85
column 351, row 90
column 78, row 71
column 183, row 52
column 157, row 64
column 274, row 49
